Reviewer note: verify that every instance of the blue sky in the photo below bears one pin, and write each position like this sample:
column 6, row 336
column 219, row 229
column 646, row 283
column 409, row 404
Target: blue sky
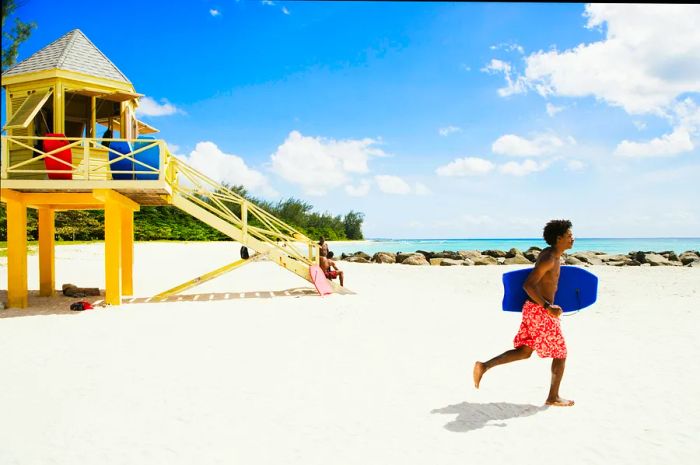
column 433, row 119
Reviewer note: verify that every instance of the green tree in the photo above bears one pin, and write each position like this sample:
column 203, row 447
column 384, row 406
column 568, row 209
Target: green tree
column 353, row 225
column 12, row 39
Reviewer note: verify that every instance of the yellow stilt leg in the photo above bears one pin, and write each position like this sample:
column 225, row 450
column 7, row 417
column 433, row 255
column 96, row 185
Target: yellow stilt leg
column 16, row 254
column 127, row 252
column 47, row 269
column 113, row 252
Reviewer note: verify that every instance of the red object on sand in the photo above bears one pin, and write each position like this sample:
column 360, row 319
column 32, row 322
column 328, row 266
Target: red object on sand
column 65, row 155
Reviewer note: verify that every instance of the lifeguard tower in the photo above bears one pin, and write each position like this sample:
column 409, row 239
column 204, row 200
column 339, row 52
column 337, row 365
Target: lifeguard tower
column 57, row 101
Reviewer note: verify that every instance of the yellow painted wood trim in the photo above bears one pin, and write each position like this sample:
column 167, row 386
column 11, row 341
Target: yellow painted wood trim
column 88, row 185
column 8, row 195
column 47, row 247
column 127, row 252
column 111, row 196
column 70, row 77
column 60, row 198
column 17, row 295
column 113, row 252
column 207, row 276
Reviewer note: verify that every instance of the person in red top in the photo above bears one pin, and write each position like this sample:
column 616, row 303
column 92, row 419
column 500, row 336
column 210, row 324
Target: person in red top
column 540, row 329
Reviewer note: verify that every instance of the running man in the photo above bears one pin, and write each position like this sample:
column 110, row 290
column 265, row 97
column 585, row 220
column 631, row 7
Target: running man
column 540, row 329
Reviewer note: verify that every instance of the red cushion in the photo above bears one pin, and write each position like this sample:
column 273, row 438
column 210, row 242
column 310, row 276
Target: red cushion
column 64, row 155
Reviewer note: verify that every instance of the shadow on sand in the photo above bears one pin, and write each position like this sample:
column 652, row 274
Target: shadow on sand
column 475, row 416
column 58, row 304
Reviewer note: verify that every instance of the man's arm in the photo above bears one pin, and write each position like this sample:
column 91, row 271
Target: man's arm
column 531, row 283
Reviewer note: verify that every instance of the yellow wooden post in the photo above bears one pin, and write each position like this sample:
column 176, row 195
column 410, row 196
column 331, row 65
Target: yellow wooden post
column 16, row 253
column 244, row 219
column 127, row 251
column 113, row 251
column 47, row 269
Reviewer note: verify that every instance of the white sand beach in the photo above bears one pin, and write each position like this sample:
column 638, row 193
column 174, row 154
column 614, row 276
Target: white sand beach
column 255, row 368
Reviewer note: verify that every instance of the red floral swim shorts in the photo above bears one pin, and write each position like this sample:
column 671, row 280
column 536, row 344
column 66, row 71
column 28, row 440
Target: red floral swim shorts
column 540, row 331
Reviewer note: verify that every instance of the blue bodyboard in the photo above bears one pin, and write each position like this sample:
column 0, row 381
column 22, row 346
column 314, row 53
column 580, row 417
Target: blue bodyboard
column 577, row 289
column 125, row 164
column 150, row 156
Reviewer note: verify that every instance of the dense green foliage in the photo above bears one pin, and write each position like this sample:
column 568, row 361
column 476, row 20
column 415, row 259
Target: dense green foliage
column 169, row 223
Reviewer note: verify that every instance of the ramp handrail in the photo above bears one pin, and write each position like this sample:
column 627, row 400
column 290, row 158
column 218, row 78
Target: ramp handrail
column 237, row 210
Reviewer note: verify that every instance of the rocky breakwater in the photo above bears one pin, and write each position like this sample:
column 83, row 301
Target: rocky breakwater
column 690, row 258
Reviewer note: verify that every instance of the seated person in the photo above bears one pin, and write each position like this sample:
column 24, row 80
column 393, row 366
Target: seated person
column 330, row 269
column 323, row 247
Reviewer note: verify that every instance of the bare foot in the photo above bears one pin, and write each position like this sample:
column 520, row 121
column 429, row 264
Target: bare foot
column 559, row 402
column 479, row 370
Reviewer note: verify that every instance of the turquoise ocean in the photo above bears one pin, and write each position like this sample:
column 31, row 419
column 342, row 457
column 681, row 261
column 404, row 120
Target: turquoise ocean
column 607, row 245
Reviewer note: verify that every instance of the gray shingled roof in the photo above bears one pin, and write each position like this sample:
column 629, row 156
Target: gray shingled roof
column 72, row 52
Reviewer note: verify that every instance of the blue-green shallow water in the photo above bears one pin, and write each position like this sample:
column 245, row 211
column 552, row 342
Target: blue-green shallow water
column 612, row 246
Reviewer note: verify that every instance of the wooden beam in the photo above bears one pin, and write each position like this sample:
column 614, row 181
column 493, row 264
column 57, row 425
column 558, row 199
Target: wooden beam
column 113, row 252
column 127, row 252
column 8, row 195
column 110, row 196
column 17, row 295
column 60, row 198
column 47, row 243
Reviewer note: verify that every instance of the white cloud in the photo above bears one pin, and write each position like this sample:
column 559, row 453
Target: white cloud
column 422, row 189
column 509, row 47
column 173, row 148
column 449, row 130
column 232, row 169
column 318, row 164
column 214, row 12
column 468, row 166
column 667, row 145
column 553, row 109
column 149, row 107
column 285, row 10
column 540, row 144
column 575, row 165
column 268, row 2
column 640, row 125
column 650, row 55
column 522, row 169
column 360, row 190
column 514, row 86
column 392, row 184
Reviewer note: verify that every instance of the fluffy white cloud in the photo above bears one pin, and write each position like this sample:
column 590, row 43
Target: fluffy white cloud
column 149, row 107
column 553, row 109
column 422, row 189
column 318, row 164
column 392, row 184
column 522, row 169
column 650, row 55
column 214, row 12
column 468, row 166
column 232, row 169
column 669, row 144
column 285, row 10
column 541, row 144
column 575, row 165
column 360, row 190
column 268, row 2
column 449, row 130
column 515, row 86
